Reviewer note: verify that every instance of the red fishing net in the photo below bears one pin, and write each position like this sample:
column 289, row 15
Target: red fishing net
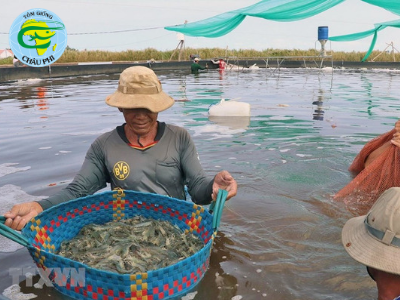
column 371, row 181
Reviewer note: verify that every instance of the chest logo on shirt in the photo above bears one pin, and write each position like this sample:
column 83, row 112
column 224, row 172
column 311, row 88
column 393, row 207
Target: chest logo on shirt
column 121, row 170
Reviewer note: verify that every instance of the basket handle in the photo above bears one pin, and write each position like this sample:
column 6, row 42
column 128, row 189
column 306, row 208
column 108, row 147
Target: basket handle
column 12, row 234
column 217, row 206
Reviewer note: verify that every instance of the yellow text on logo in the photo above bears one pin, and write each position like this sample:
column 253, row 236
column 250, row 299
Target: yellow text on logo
column 121, row 170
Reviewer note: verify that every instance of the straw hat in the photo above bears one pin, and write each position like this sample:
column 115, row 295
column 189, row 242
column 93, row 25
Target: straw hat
column 374, row 240
column 139, row 87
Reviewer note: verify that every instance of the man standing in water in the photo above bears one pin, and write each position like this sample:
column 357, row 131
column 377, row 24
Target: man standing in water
column 195, row 67
column 142, row 154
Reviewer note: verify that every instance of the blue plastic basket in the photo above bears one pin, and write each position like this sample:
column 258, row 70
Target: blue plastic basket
column 44, row 234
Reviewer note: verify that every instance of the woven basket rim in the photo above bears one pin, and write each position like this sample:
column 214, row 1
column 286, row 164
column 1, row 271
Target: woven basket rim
column 205, row 247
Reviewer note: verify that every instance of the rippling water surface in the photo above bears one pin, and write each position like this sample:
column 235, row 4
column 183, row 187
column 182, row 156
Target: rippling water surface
column 280, row 236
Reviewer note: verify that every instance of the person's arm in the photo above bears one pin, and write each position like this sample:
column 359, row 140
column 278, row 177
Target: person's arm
column 90, row 179
column 396, row 137
column 377, row 152
column 201, row 188
column 199, row 185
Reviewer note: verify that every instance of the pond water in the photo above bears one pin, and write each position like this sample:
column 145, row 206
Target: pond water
column 280, row 237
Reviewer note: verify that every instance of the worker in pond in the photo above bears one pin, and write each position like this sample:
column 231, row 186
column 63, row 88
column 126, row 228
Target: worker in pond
column 195, row 67
column 143, row 154
column 220, row 62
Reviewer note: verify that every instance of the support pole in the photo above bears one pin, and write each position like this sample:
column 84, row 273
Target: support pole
column 180, row 46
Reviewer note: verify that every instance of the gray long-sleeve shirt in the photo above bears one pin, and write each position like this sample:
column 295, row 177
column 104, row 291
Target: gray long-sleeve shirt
column 162, row 169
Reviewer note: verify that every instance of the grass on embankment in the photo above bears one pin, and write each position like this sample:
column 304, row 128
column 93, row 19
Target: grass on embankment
column 71, row 55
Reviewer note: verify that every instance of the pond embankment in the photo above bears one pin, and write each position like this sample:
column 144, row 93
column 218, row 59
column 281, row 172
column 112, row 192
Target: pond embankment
column 10, row 73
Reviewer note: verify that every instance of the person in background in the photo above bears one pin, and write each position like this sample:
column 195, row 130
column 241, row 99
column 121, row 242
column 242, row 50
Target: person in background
column 220, row 62
column 17, row 63
column 142, row 154
column 195, row 67
column 374, row 241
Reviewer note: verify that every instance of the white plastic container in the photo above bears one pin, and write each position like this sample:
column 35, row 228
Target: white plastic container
column 230, row 108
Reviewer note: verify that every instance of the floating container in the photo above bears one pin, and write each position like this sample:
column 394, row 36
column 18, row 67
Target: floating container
column 322, row 33
column 229, row 108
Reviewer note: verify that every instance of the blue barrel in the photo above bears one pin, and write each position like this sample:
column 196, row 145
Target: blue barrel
column 322, row 32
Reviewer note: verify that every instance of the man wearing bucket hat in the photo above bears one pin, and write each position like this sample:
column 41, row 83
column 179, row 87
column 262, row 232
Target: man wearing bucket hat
column 143, row 154
column 374, row 240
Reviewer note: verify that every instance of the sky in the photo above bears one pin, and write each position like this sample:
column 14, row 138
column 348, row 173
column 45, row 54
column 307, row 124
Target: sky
column 146, row 20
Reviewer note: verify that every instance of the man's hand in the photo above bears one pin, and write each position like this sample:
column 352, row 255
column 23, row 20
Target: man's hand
column 396, row 137
column 224, row 181
column 20, row 214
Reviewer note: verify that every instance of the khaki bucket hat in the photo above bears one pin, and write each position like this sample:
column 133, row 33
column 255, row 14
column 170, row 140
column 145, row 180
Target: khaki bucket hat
column 374, row 239
column 139, row 87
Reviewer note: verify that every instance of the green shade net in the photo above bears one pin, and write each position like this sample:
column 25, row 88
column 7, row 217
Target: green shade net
column 284, row 11
column 276, row 10
column 363, row 34
column 390, row 5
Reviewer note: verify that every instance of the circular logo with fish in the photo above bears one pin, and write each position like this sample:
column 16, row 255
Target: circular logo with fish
column 121, row 170
column 38, row 37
